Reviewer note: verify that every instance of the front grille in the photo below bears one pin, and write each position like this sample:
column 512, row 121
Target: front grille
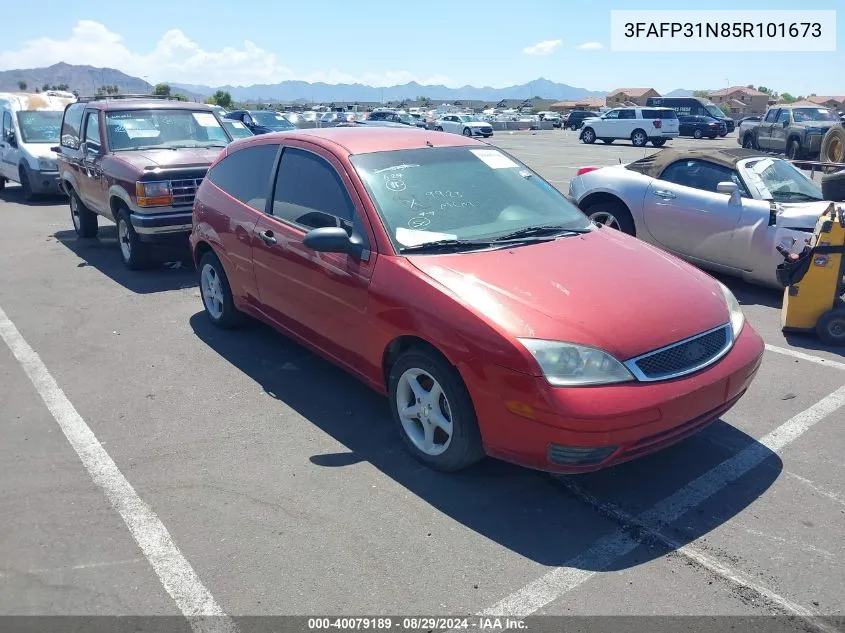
column 184, row 191
column 486, row 130
column 683, row 357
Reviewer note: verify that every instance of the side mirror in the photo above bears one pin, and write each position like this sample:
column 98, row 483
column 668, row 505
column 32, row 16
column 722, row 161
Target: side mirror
column 786, row 124
column 333, row 239
column 730, row 188
column 11, row 139
column 56, row 149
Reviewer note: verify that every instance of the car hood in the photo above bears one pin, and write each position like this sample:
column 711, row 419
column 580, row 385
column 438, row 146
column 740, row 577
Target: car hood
column 40, row 150
column 148, row 158
column 604, row 289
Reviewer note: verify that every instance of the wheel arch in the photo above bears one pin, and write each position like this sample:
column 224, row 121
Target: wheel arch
column 401, row 344
column 604, row 196
column 118, row 198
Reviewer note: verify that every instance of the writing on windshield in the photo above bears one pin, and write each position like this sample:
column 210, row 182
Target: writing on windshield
column 40, row 126
column 136, row 129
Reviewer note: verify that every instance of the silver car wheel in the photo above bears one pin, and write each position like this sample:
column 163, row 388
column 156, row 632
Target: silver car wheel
column 74, row 212
column 424, row 411
column 603, row 218
column 638, row 139
column 212, row 292
column 124, row 240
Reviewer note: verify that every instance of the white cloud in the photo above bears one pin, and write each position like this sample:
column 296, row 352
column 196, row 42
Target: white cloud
column 591, row 46
column 546, row 47
column 175, row 57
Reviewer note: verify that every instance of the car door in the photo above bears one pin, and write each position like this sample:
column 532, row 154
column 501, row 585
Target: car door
column 628, row 122
column 322, row 297
column 686, row 125
column 604, row 126
column 8, row 155
column 91, row 183
column 777, row 137
column 764, row 130
column 685, row 214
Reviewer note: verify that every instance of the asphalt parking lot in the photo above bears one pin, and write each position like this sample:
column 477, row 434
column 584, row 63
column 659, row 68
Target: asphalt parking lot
column 152, row 465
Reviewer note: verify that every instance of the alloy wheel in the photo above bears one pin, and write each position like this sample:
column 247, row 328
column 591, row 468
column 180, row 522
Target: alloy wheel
column 74, row 213
column 603, row 218
column 424, row 411
column 124, row 239
column 212, row 291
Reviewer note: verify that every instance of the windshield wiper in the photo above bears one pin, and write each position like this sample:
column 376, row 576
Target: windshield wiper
column 802, row 196
column 550, row 231
column 445, row 245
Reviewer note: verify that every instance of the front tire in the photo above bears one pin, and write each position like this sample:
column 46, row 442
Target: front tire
column 26, row 187
column 438, row 128
column 748, row 142
column 433, row 411
column 793, row 149
column 467, row 131
column 612, row 214
column 216, row 293
column 84, row 220
column 697, row 134
column 831, row 327
column 639, row 138
column 134, row 253
column 658, row 142
column 588, row 135
column 607, row 141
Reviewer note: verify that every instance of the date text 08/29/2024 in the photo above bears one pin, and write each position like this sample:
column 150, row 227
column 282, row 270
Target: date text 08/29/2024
column 417, row 623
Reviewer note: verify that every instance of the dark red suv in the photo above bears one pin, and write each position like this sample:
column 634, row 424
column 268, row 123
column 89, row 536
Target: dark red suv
column 138, row 162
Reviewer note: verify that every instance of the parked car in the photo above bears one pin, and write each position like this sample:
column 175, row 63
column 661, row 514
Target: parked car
column 552, row 117
column 640, row 125
column 723, row 209
column 137, row 162
column 236, row 129
column 693, row 106
column 29, row 128
column 262, row 121
column 394, row 117
column 700, row 126
column 575, row 119
column 458, row 282
column 796, row 131
column 466, row 124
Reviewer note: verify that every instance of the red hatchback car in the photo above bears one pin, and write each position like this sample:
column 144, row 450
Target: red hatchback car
column 449, row 276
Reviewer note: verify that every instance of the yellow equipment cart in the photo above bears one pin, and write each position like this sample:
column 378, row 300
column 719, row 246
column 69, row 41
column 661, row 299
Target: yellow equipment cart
column 814, row 294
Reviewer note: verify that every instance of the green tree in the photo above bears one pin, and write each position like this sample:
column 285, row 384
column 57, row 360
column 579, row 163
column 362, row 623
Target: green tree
column 179, row 96
column 64, row 87
column 701, row 94
column 22, row 85
column 45, row 87
column 423, row 101
column 162, row 89
column 222, row 98
column 768, row 91
column 787, row 98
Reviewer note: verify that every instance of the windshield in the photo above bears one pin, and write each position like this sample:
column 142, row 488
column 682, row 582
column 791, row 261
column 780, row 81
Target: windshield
column 780, row 181
column 40, row 126
column 236, row 129
column 467, row 193
column 272, row 120
column 714, row 111
column 164, row 129
column 802, row 115
column 470, row 119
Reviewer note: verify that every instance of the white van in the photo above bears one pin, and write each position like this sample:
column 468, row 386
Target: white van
column 30, row 125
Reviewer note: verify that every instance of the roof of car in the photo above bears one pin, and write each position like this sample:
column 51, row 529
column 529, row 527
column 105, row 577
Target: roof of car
column 145, row 104
column 366, row 140
column 654, row 164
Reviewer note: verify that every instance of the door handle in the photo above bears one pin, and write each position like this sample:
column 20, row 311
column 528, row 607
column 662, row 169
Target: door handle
column 267, row 237
column 662, row 193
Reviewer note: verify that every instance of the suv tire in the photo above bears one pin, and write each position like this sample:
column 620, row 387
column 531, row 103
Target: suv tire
column 639, row 138
column 26, row 187
column 463, row 446
column 134, row 253
column 588, row 135
column 793, row 149
column 216, row 293
column 84, row 220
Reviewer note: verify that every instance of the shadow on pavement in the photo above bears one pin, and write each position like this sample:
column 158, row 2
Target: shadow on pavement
column 171, row 268
column 14, row 194
column 525, row 511
column 749, row 294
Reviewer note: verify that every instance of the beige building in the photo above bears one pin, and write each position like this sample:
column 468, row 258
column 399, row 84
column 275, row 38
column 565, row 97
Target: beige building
column 742, row 101
column 591, row 103
column 630, row 96
column 829, row 102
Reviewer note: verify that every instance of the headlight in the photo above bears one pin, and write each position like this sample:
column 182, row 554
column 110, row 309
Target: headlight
column 570, row 365
column 46, row 164
column 153, row 194
column 737, row 317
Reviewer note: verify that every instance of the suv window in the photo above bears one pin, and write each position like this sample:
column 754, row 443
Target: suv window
column 310, row 193
column 627, row 114
column 660, row 114
column 783, row 116
column 613, row 114
column 245, row 174
column 71, row 125
column 92, row 131
column 700, row 174
column 771, row 115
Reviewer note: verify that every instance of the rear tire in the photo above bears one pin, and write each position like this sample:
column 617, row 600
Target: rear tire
column 639, row 138
column 84, row 220
column 134, row 253
column 658, row 142
column 830, row 327
column 697, row 134
column 612, row 214
column 438, row 129
column 216, row 293
column 588, row 135
column 793, row 149
column 748, row 142
column 416, row 374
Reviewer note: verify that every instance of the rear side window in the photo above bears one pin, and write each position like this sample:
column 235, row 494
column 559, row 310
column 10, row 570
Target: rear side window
column 71, row 125
column 245, row 174
column 627, row 114
column 659, row 114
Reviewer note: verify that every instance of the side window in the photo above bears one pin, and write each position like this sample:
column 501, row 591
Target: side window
column 771, row 115
column 783, row 116
column 627, row 114
column 613, row 114
column 310, row 193
column 246, row 174
column 247, row 119
column 7, row 124
column 92, row 131
column 71, row 124
column 700, row 174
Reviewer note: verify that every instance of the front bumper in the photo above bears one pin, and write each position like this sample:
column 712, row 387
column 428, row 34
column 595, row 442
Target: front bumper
column 154, row 226
column 44, row 182
column 524, row 420
column 482, row 131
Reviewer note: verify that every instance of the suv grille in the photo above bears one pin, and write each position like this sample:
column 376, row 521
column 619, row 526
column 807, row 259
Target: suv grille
column 184, row 191
column 683, row 357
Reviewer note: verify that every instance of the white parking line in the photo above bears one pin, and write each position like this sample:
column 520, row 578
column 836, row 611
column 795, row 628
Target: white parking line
column 604, row 551
column 173, row 570
column 808, row 357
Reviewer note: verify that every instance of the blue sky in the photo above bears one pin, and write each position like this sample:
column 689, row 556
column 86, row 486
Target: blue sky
column 193, row 41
